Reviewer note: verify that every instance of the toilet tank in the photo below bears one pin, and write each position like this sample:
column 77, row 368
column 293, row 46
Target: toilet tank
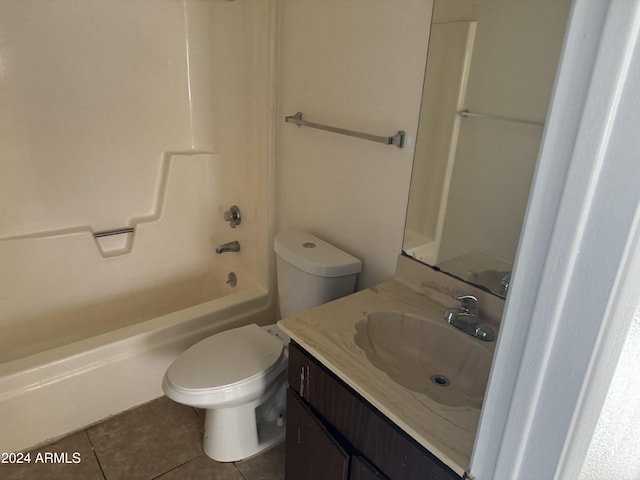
column 311, row 272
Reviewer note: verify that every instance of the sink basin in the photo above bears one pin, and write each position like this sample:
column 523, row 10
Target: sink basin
column 426, row 356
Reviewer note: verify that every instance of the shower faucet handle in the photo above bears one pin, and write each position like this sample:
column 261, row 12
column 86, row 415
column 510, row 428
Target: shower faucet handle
column 233, row 216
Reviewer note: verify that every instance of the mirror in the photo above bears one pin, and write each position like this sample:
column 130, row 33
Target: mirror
column 490, row 71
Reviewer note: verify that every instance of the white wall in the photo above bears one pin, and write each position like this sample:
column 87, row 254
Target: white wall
column 614, row 448
column 357, row 65
column 93, row 94
column 234, row 42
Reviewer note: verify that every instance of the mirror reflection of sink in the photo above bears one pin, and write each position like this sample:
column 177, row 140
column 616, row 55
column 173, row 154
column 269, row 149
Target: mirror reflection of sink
column 493, row 280
column 426, row 356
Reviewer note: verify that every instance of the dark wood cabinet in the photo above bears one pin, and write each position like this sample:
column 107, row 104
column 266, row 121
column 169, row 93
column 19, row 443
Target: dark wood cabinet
column 363, row 470
column 331, row 428
column 308, row 438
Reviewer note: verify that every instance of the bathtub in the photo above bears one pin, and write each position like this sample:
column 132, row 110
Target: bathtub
column 51, row 393
column 87, row 328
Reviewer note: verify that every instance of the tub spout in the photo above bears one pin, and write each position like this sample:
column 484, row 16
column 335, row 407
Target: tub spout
column 228, row 247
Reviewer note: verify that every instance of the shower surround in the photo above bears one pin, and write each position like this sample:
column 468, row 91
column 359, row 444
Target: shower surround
column 151, row 118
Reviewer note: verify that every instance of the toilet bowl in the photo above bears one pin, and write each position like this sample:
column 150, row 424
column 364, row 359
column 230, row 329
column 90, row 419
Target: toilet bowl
column 239, row 376
column 244, row 400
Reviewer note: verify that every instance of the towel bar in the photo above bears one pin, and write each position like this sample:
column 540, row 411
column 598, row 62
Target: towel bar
column 397, row 139
column 117, row 231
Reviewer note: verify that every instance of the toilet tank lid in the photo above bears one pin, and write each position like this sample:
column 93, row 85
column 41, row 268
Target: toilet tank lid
column 313, row 255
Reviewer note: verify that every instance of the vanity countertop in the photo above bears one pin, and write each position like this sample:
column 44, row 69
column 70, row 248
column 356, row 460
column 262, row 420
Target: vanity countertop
column 327, row 332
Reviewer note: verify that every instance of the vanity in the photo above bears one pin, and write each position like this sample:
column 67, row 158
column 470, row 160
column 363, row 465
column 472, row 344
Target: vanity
column 353, row 414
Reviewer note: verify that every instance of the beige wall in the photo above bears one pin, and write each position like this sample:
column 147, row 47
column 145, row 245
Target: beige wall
column 356, row 64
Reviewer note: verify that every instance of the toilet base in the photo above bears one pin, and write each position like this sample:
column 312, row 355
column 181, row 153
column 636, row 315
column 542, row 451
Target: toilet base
column 236, row 433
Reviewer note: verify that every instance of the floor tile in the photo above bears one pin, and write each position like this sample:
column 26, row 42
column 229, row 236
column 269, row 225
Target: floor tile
column 148, row 441
column 203, row 468
column 161, row 440
column 266, row 466
column 75, row 448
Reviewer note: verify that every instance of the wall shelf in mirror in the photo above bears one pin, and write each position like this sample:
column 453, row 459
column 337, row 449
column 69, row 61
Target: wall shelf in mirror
column 468, row 114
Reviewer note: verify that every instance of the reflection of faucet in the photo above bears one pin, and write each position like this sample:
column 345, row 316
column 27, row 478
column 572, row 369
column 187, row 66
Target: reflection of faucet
column 466, row 318
column 228, row 247
column 505, row 283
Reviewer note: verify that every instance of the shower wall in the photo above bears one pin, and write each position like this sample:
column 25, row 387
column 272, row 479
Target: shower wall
column 103, row 104
column 93, row 94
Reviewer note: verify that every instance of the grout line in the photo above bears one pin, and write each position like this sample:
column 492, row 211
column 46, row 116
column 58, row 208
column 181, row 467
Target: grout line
column 235, row 464
column 174, row 468
column 195, row 410
column 95, row 454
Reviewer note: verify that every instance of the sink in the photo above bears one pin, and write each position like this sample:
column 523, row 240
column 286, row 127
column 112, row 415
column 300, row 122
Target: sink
column 426, row 356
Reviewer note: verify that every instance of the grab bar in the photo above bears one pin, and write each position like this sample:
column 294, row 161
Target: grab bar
column 468, row 114
column 397, row 139
column 117, row 231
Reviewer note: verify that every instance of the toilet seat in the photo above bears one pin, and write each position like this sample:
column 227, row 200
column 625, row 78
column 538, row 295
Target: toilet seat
column 252, row 359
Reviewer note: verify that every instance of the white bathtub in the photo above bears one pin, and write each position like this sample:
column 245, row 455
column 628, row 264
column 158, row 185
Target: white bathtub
column 66, row 388
column 87, row 329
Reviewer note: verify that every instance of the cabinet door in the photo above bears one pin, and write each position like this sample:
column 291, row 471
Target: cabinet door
column 311, row 452
column 363, row 426
column 363, row 470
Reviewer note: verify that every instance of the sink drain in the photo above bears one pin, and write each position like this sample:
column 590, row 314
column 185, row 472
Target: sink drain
column 440, row 380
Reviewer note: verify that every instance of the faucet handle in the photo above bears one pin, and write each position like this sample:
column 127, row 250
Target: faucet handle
column 233, row 216
column 469, row 303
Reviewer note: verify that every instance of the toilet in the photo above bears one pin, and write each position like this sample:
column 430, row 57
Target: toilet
column 240, row 375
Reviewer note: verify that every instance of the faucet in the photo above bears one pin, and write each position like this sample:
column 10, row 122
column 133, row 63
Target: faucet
column 466, row 318
column 505, row 283
column 228, row 247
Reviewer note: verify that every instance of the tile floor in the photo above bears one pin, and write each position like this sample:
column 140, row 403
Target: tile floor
column 160, row 440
